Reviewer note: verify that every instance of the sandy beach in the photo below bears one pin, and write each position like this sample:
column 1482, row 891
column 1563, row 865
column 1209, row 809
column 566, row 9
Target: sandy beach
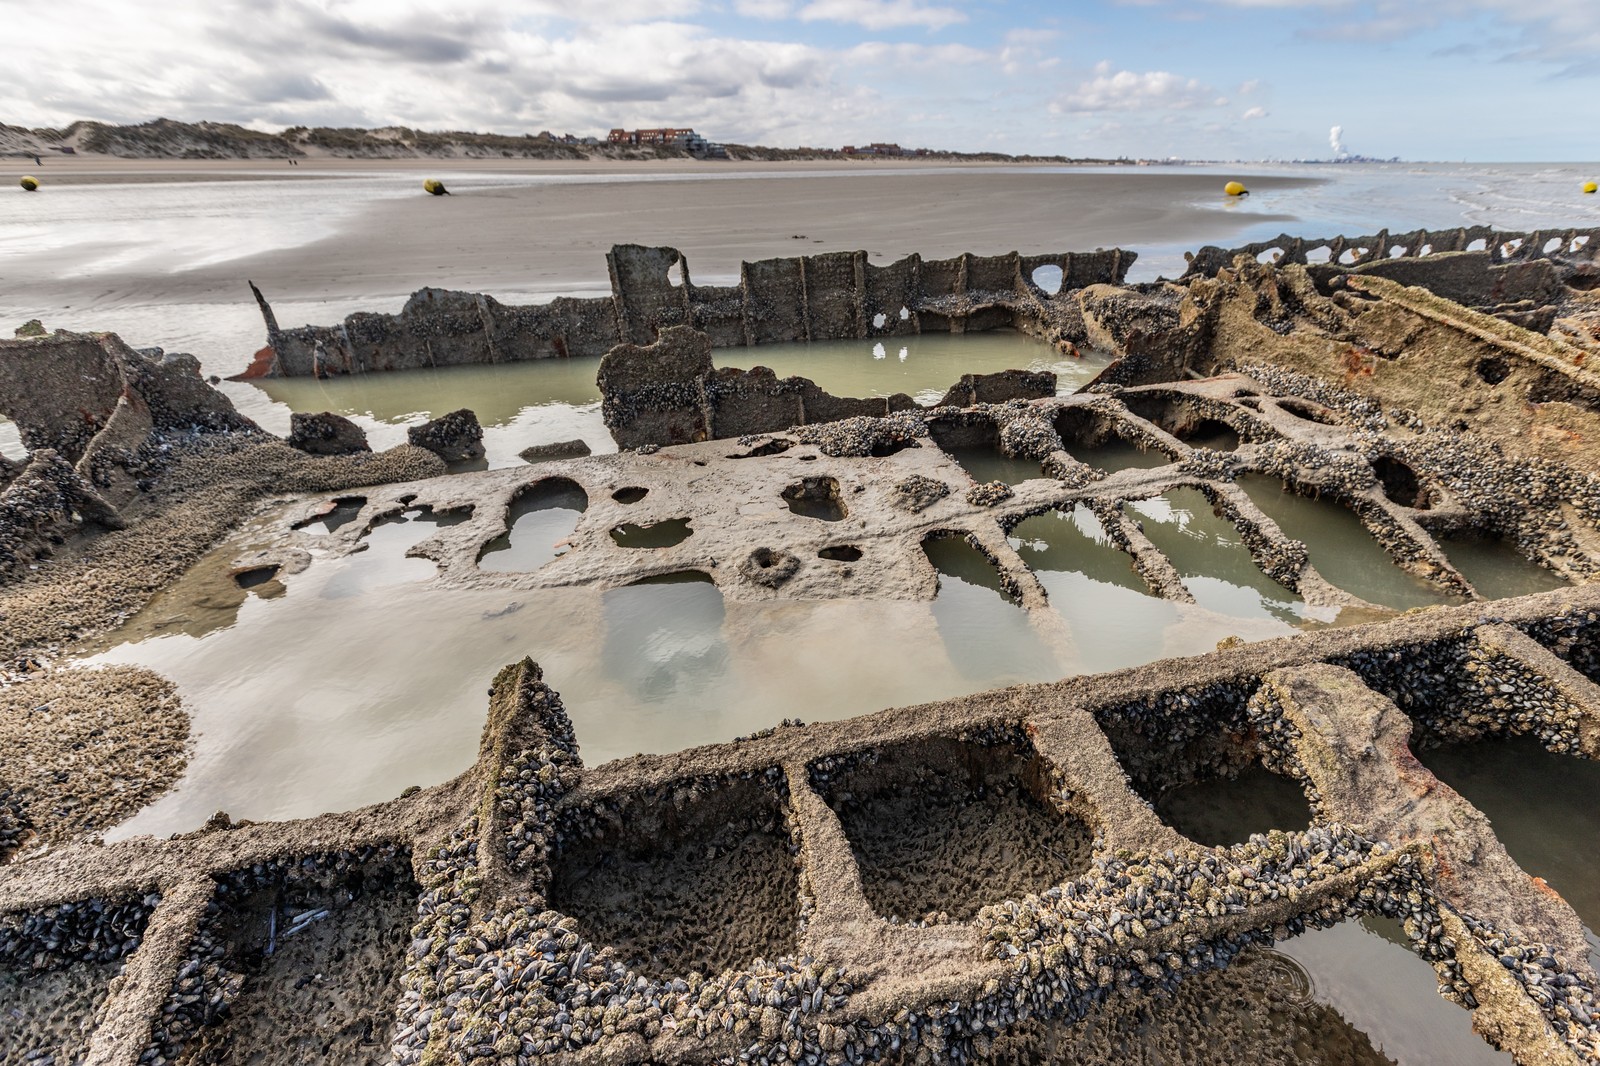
column 542, row 227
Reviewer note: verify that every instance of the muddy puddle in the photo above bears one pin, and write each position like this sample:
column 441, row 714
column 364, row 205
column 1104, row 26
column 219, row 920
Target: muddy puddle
column 551, row 400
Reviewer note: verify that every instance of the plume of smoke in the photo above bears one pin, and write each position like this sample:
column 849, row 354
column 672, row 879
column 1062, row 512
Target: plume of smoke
column 1336, row 141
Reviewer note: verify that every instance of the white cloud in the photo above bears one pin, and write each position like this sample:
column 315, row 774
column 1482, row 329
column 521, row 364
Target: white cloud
column 764, row 9
column 485, row 65
column 1126, row 90
column 1254, row 113
column 881, row 14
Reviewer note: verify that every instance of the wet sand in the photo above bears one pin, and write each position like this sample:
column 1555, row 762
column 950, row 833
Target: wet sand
column 505, row 227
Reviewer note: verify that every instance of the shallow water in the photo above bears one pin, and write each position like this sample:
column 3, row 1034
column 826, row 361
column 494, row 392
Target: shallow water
column 1222, row 811
column 923, row 366
column 1386, row 991
column 547, row 400
column 1542, row 807
column 1362, row 198
column 1362, row 968
column 11, row 445
column 1210, row 556
column 1117, row 454
column 984, row 632
column 1498, row 570
column 1341, row 548
column 518, row 404
column 343, row 684
column 987, row 464
column 541, row 520
column 359, row 677
column 1113, row 619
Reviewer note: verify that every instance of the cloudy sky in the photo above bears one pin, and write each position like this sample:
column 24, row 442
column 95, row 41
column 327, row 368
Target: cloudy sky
column 1223, row 79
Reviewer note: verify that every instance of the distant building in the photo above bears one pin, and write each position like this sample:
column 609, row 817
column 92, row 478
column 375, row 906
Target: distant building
column 673, row 137
column 664, row 136
column 877, row 148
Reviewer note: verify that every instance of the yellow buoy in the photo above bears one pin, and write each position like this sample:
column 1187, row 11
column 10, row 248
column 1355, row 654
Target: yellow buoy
column 1590, row 186
column 30, row 183
column 1233, row 188
column 436, row 187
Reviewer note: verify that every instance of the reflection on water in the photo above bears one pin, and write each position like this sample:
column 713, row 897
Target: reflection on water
column 984, row 632
column 1345, row 996
column 518, row 404
column 1542, row 807
column 922, row 365
column 987, row 464
column 1210, row 556
column 541, row 520
column 166, row 226
column 1362, row 971
column 1091, row 583
column 664, row 638
column 1341, row 548
column 1113, row 619
column 547, row 400
column 364, row 677
column 655, row 535
column 11, row 445
column 345, row 509
column 383, row 561
column 1499, row 571
column 1117, row 454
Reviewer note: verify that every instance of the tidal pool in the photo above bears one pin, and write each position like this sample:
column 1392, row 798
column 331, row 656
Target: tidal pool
column 11, row 445
column 984, row 632
column 1116, row 454
column 1362, row 970
column 543, row 401
column 541, row 520
column 1497, row 570
column 1211, row 558
column 345, row 683
column 1220, row 811
column 1341, row 548
column 988, row 464
column 1113, row 619
column 1542, row 807
column 1345, row 996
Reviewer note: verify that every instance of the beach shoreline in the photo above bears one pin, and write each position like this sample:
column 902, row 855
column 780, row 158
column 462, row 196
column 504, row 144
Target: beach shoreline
column 498, row 234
